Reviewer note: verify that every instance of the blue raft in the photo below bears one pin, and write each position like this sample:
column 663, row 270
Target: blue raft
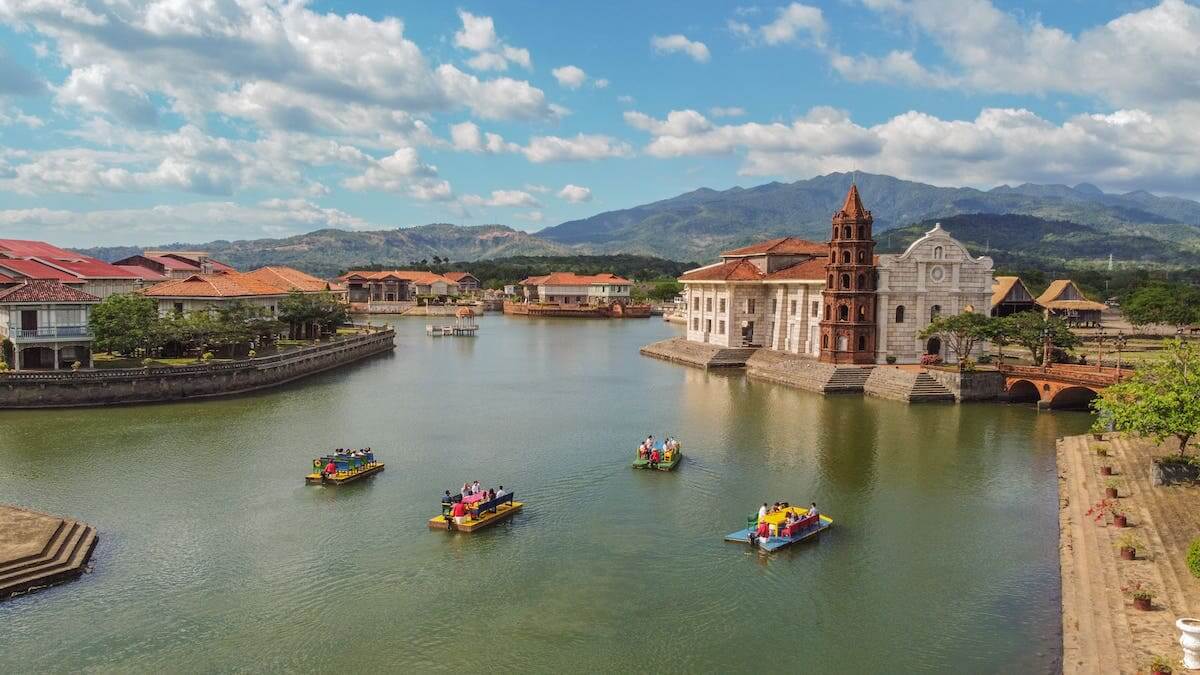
column 774, row 543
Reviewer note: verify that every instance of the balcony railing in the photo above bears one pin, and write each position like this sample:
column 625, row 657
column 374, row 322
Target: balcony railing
column 50, row 332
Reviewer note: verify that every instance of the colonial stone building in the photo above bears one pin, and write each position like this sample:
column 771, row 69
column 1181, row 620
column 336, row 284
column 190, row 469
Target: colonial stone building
column 934, row 276
column 837, row 301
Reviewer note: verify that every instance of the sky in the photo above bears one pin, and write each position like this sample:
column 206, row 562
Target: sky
column 157, row 121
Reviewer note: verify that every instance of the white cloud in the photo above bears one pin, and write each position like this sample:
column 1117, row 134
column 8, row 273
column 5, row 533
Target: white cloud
column 467, row 137
column 580, row 147
column 402, row 171
column 668, row 44
column 1126, row 149
column 503, row 198
column 478, row 34
column 792, row 23
column 1145, row 58
column 534, row 187
column 600, row 83
column 626, row 99
column 732, row 111
column 571, row 77
column 575, row 194
column 176, row 222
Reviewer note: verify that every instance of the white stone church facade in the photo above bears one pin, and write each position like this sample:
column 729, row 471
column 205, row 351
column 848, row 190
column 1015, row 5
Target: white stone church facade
column 772, row 295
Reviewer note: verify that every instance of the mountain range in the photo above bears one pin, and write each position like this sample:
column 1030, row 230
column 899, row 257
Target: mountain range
column 1056, row 221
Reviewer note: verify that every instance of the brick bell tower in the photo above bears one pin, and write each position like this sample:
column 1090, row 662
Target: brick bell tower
column 848, row 330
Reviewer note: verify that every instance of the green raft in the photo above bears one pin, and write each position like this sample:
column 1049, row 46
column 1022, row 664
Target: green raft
column 676, row 457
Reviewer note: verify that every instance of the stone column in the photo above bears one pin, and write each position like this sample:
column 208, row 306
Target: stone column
column 780, row 318
column 56, row 356
column 881, row 328
column 16, row 357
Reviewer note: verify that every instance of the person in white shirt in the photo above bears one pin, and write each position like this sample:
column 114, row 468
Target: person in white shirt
column 762, row 512
column 500, row 492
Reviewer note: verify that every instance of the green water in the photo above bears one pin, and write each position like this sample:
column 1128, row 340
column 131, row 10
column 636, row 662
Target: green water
column 214, row 556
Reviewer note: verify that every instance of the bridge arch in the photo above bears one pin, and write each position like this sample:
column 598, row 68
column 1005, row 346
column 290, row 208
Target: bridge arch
column 1023, row 391
column 1075, row 398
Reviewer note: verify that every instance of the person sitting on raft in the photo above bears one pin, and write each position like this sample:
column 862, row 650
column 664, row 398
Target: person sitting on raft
column 654, row 458
column 330, row 469
column 499, row 492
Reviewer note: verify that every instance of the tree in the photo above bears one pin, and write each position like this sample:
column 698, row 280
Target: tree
column 960, row 332
column 1162, row 302
column 304, row 312
column 123, row 323
column 665, row 291
column 1029, row 329
column 1160, row 400
column 1000, row 333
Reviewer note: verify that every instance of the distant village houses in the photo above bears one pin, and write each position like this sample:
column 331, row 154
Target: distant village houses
column 579, row 289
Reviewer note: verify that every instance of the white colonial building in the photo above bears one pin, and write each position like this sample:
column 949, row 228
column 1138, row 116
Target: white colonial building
column 935, row 275
column 774, row 294
column 569, row 288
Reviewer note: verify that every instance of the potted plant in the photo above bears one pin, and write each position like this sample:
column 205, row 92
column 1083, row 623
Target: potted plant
column 1110, row 488
column 1106, row 470
column 891, row 359
column 1159, row 666
column 1128, row 545
column 1104, row 508
column 1142, row 594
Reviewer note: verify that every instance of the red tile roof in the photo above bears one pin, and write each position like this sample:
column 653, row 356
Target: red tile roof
column 459, row 276
column 572, row 279
column 5, row 279
column 143, row 273
column 809, row 270
column 781, row 246
column 88, row 268
column 33, row 269
column 735, row 270
column 44, row 291
column 173, row 263
column 289, row 279
column 853, row 206
column 24, row 248
column 414, row 276
column 224, row 285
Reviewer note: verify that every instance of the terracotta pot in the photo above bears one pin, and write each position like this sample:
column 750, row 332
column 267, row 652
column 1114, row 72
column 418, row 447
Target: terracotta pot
column 1106, row 471
column 1111, row 493
column 1098, row 437
column 1120, row 521
column 1144, row 604
column 1128, row 553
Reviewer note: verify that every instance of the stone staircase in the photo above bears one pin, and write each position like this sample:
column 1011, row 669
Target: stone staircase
column 906, row 385
column 848, row 380
column 66, row 546
column 732, row 357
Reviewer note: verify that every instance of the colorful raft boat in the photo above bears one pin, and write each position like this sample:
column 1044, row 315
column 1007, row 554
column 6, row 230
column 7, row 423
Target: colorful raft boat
column 780, row 536
column 669, row 460
column 349, row 469
column 479, row 514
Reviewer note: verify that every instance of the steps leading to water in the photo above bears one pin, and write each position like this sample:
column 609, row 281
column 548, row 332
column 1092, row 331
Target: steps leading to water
column 913, row 386
column 699, row 355
column 848, row 380
column 64, row 555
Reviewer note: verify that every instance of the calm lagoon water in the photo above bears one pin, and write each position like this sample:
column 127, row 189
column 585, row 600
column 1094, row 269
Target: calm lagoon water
column 214, row 556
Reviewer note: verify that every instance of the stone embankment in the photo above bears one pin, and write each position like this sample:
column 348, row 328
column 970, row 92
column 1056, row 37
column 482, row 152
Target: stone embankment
column 53, row 389
column 38, row 550
column 806, row 373
column 679, row 350
column 1102, row 630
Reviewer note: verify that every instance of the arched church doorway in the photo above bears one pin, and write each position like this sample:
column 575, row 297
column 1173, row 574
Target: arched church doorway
column 934, row 346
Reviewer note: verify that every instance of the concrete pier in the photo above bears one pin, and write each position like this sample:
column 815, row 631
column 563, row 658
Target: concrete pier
column 38, row 550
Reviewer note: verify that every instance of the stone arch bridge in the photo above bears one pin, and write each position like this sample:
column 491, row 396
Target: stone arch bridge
column 1059, row 385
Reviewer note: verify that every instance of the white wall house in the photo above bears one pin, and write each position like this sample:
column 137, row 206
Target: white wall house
column 47, row 322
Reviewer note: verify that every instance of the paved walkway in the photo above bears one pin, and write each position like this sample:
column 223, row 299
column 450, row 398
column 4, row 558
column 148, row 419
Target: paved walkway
column 1102, row 631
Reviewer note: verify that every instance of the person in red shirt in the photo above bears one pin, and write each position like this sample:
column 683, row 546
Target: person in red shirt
column 654, row 457
column 330, row 468
column 459, row 512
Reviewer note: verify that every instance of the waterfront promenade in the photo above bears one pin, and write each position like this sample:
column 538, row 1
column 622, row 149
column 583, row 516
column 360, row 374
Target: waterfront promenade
column 1102, row 631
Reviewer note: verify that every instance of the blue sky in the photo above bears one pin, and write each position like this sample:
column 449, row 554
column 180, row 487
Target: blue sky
column 190, row 120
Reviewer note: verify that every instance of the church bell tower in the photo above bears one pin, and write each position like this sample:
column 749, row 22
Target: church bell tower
column 848, row 331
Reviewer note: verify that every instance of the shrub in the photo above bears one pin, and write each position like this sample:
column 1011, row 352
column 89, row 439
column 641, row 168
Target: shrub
column 985, row 359
column 1127, row 540
column 1159, row 664
column 930, row 359
column 890, row 359
column 1139, row 591
column 206, row 356
column 252, row 353
column 76, row 365
column 3, row 366
column 147, row 362
column 1193, row 558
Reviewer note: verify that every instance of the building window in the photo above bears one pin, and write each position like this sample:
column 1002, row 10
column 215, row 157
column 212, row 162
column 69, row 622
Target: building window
column 830, row 286
column 792, row 308
column 815, row 308
column 708, row 304
column 749, row 305
column 934, row 312
column 827, row 314
column 845, row 257
column 696, row 303
column 721, row 305
column 937, row 252
column 824, row 341
column 862, row 282
column 899, row 313
column 708, row 325
column 843, row 313
column 862, row 312
column 696, row 323
column 846, row 281
column 862, row 256
column 862, row 343
column 178, row 308
column 846, row 232
column 721, row 327
column 773, row 305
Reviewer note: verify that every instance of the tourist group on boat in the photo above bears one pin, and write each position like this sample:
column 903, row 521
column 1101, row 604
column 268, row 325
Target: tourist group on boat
column 665, row 456
column 343, row 466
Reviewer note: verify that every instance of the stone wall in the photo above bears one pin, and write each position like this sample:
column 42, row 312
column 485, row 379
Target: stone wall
column 793, row 371
column 151, row 385
column 980, row 385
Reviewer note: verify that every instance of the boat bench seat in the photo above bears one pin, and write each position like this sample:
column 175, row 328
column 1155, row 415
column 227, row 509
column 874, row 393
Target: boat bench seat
column 801, row 525
column 491, row 505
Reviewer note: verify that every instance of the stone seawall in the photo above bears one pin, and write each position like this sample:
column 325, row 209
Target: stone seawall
column 980, row 385
column 152, row 385
column 905, row 384
column 679, row 350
